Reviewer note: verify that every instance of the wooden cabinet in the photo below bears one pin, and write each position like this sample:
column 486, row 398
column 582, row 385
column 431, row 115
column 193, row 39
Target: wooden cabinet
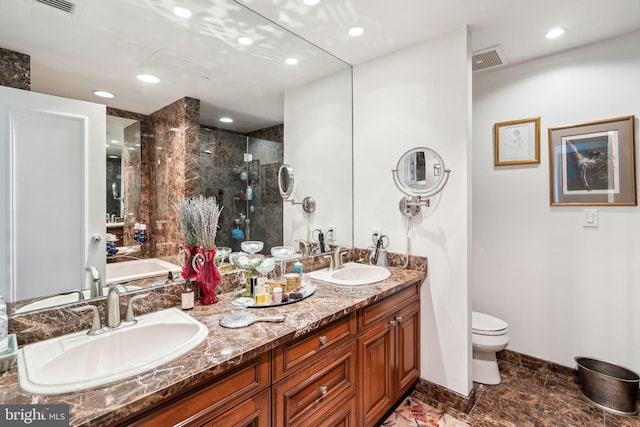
column 315, row 375
column 388, row 353
column 347, row 373
column 218, row 402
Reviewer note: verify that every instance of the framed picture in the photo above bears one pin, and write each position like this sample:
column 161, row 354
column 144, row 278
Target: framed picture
column 593, row 163
column 517, row 142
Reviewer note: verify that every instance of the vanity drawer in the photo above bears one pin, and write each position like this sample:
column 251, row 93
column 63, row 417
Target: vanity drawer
column 290, row 356
column 221, row 394
column 372, row 313
column 344, row 414
column 321, row 387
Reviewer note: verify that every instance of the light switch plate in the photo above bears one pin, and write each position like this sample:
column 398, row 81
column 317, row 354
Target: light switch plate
column 590, row 217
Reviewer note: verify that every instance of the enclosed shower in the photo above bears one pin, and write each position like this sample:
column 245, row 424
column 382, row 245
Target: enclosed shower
column 241, row 172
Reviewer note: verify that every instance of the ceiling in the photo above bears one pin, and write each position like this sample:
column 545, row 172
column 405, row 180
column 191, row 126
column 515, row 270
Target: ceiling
column 104, row 44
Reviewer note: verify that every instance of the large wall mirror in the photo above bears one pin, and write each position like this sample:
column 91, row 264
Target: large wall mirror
column 100, row 44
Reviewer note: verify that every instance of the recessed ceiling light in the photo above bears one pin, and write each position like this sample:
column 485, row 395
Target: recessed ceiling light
column 113, row 141
column 148, row 78
column 291, row 61
column 182, row 12
column 226, row 119
column 356, row 31
column 103, row 94
column 554, row 33
column 311, row 2
column 131, row 148
column 114, row 157
column 245, row 41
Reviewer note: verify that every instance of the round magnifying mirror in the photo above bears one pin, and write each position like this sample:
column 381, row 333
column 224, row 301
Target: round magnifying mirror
column 285, row 181
column 420, row 172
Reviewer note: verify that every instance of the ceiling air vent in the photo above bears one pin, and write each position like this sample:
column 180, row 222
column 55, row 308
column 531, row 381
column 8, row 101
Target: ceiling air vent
column 62, row 5
column 488, row 58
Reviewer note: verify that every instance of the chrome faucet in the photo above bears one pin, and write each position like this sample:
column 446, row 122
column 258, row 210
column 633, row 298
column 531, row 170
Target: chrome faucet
column 96, row 282
column 113, row 320
column 336, row 258
column 113, row 317
column 305, row 247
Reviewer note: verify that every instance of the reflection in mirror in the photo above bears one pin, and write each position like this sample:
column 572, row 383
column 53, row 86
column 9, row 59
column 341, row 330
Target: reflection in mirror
column 240, row 172
column 420, row 172
column 250, row 83
column 286, row 181
column 287, row 184
column 123, row 178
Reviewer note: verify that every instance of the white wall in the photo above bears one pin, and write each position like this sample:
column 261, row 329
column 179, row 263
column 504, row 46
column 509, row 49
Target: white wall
column 563, row 289
column 420, row 96
column 317, row 138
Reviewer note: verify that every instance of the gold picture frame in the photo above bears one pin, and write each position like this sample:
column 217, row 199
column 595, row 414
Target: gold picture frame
column 593, row 163
column 517, row 142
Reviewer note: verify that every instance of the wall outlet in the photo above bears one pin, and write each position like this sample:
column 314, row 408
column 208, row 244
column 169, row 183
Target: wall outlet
column 331, row 234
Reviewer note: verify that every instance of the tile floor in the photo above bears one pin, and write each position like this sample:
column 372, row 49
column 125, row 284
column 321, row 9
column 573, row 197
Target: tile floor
column 532, row 398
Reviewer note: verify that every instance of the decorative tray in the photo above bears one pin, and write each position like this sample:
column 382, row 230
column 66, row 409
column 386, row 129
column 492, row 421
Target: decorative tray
column 247, row 302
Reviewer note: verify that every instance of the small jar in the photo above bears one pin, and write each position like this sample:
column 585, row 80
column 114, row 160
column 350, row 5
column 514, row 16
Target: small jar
column 277, row 295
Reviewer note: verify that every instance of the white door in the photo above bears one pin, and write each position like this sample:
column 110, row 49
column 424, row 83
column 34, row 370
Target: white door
column 52, row 180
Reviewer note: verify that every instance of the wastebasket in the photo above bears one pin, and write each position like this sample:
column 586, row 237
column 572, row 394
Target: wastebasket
column 608, row 386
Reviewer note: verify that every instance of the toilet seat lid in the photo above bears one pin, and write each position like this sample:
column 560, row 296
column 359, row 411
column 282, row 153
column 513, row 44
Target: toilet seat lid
column 485, row 324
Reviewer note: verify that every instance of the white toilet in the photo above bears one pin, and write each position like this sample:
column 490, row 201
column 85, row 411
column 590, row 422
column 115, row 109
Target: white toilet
column 488, row 336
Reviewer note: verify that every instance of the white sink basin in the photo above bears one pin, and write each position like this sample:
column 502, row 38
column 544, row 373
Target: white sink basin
column 64, row 299
column 78, row 361
column 353, row 274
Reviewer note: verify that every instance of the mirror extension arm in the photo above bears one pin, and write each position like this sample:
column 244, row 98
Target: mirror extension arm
column 286, row 185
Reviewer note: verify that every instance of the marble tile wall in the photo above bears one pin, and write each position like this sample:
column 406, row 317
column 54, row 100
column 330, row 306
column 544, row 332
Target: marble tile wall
column 131, row 176
column 136, row 200
column 274, row 133
column 170, row 164
column 15, row 69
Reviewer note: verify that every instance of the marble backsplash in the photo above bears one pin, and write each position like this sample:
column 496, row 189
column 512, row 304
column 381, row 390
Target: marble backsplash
column 39, row 325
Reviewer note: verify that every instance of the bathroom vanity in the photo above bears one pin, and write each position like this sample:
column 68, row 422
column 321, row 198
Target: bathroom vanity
column 344, row 356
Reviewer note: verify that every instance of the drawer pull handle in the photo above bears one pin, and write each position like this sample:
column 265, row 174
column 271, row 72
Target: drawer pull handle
column 323, row 340
column 393, row 323
column 399, row 319
column 323, row 390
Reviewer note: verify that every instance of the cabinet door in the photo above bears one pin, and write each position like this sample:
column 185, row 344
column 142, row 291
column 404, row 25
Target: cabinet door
column 408, row 347
column 376, row 352
column 254, row 412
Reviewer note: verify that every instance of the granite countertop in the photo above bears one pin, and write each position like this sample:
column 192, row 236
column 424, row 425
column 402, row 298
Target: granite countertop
column 222, row 349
